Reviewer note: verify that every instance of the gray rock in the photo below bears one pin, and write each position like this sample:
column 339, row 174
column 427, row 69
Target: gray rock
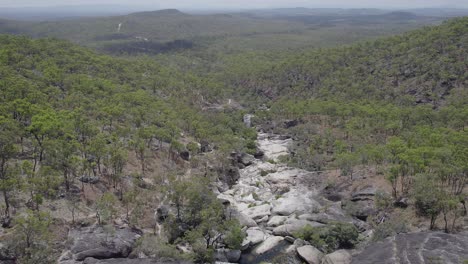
column 89, row 179
column 365, row 194
column 6, row 253
column 310, row 254
column 417, row 248
column 205, row 146
column 295, row 201
column 290, row 123
column 403, row 202
column 248, row 120
column 276, row 221
column 162, row 212
column 245, row 220
column 227, row 255
column 185, row 155
column 96, row 243
column 258, row 212
column 262, row 220
column 255, row 236
column 273, row 148
column 360, row 209
column 292, row 226
column 268, row 244
column 246, row 159
column 299, row 242
column 337, row 257
column 233, row 255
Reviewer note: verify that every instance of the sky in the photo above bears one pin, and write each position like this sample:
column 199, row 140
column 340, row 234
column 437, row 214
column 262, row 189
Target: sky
column 244, row 4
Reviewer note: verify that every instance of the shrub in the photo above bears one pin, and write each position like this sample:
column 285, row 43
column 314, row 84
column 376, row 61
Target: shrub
column 234, row 236
column 389, row 228
column 152, row 245
column 330, row 238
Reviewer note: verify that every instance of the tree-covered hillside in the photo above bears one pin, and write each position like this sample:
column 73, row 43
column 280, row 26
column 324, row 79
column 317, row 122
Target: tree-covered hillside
column 423, row 66
column 71, row 120
column 394, row 109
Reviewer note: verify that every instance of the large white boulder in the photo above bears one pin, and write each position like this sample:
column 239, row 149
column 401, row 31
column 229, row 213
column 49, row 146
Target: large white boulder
column 310, row 254
column 258, row 212
column 295, row 201
column 255, row 236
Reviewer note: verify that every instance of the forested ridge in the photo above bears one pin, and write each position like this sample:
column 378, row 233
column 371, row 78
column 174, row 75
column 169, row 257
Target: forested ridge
column 152, row 145
column 422, row 66
column 70, row 115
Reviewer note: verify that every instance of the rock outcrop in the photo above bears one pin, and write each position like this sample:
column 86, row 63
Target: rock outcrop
column 417, row 248
column 98, row 243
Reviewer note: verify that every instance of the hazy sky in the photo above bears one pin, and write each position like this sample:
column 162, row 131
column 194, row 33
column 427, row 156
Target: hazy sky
column 200, row 4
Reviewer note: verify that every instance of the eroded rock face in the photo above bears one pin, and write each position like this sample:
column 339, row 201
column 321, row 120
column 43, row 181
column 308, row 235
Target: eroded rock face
column 100, row 244
column 417, row 248
column 362, row 203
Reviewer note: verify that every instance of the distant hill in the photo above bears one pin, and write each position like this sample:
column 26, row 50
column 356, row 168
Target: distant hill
column 39, row 13
column 162, row 31
column 158, row 13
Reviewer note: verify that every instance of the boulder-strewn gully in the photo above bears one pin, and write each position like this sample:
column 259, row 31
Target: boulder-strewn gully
column 273, row 201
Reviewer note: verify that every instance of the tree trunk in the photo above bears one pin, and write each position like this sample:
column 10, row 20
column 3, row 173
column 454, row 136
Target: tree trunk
column 433, row 219
column 446, row 229
column 7, row 203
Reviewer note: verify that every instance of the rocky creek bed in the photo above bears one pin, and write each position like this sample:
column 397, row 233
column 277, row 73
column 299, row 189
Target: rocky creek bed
column 273, row 201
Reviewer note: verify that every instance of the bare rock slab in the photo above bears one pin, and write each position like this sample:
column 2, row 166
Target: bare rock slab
column 417, row 248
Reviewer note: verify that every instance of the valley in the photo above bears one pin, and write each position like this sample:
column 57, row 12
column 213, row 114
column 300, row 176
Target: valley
column 295, row 135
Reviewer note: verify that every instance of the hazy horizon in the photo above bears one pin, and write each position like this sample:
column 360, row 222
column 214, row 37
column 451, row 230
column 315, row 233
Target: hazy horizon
column 239, row 4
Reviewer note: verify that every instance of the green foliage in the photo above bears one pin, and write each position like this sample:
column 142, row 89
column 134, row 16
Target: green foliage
column 106, row 208
column 330, row 238
column 152, row 245
column 389, row 228
column 32, row 238
column 234, row 235
column 346, row 162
